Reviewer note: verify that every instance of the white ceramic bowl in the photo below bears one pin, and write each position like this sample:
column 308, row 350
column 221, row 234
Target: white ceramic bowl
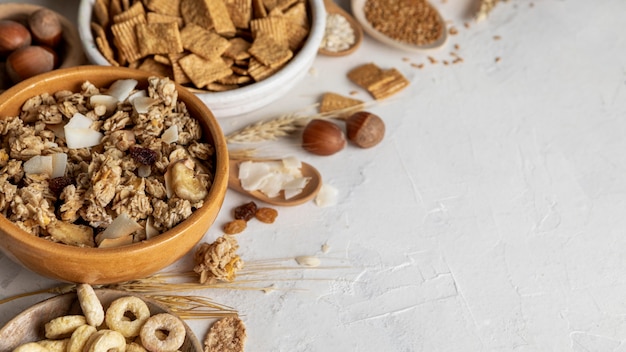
column 242, row 100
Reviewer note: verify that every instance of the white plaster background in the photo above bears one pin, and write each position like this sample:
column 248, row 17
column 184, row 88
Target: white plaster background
column 491, row 218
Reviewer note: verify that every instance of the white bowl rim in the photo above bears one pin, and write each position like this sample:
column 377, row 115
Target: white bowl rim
column 308, row 50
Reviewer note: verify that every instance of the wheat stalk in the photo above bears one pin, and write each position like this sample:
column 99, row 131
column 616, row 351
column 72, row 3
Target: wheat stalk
column 270, row 130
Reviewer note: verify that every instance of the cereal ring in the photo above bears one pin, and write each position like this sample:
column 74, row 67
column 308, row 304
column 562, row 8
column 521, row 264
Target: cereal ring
column 55, row 345
column 135, row 347
column 116, row 320
column 106, row 340
column 31, row 347
column 79, row 338
column 90, row 304
column 164, row 322
column 64, row 326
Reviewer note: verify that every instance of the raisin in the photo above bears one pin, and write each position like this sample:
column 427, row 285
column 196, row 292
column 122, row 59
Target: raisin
column 235, row 227
column 57, row 184
column 266, row 215
column 245, row 211
column 145, row 156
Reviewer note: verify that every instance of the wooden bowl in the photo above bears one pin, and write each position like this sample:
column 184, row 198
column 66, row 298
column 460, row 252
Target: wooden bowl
column 28, row 326
column 70, row 50
column 110, row 265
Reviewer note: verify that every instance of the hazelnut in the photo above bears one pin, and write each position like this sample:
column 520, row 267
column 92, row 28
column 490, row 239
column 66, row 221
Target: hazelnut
column 13, row 35
column 322, row 137
column 45, row 27
column 29, row 61
column 365, row 129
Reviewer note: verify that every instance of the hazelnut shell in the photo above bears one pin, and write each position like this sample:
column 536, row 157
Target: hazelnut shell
column 365, row 129
column 45, row 27
column 13, row 35
column 323, row 137
column 30, row 61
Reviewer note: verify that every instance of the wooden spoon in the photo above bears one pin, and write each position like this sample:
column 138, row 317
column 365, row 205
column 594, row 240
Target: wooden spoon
column 333, row 8
column 359, row 13
column 309, row 192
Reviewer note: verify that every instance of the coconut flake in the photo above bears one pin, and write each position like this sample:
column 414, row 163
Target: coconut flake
column 272, row 177
column 38, row 164
column 109, row 101
column 170, row 135
column 82, row 137
column 327, row 196
column 122, row 88
column 122, row 225
column 143, row 104
column 79, row 120
column 137, row 94
column 59, row 164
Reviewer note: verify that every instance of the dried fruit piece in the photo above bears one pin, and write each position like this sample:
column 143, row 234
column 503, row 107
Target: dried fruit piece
column 142, row 155
column 245, row 211
column 266, row 215
column 184, row 182
column 57, row 184
column 236, row 226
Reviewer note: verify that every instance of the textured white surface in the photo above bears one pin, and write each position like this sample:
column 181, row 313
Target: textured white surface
column 491, row 218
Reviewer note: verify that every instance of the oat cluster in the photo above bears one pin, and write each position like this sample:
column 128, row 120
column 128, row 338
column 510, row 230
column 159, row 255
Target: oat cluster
column 409, row 21
column 102, row 182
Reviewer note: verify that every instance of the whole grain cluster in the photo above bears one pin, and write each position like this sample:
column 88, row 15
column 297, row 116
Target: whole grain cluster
column 213, row 45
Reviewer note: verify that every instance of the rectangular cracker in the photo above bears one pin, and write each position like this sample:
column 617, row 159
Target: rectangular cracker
column 158, row 38
column 203, row 71
column 155, row 68
column 203, row 42
column 136, row 9
column 333, row 101
column 298, row 14
column 126, row 39
column 101, row 12
column 273, row 26
column 154, row 17
column 391, row 82
column 259, row 72
column 220, row 17
column 365, row 75
column 238, row 49
column 270, row 52
column 196, row 12
column 179, row 75
column 165, row 7
column 240, row 12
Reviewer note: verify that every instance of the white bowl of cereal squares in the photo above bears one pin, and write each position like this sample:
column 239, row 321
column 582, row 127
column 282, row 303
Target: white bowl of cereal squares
column 107, row 174
column 236, row 56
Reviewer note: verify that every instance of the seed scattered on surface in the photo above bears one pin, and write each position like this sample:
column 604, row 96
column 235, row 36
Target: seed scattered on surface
column 308, row 260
